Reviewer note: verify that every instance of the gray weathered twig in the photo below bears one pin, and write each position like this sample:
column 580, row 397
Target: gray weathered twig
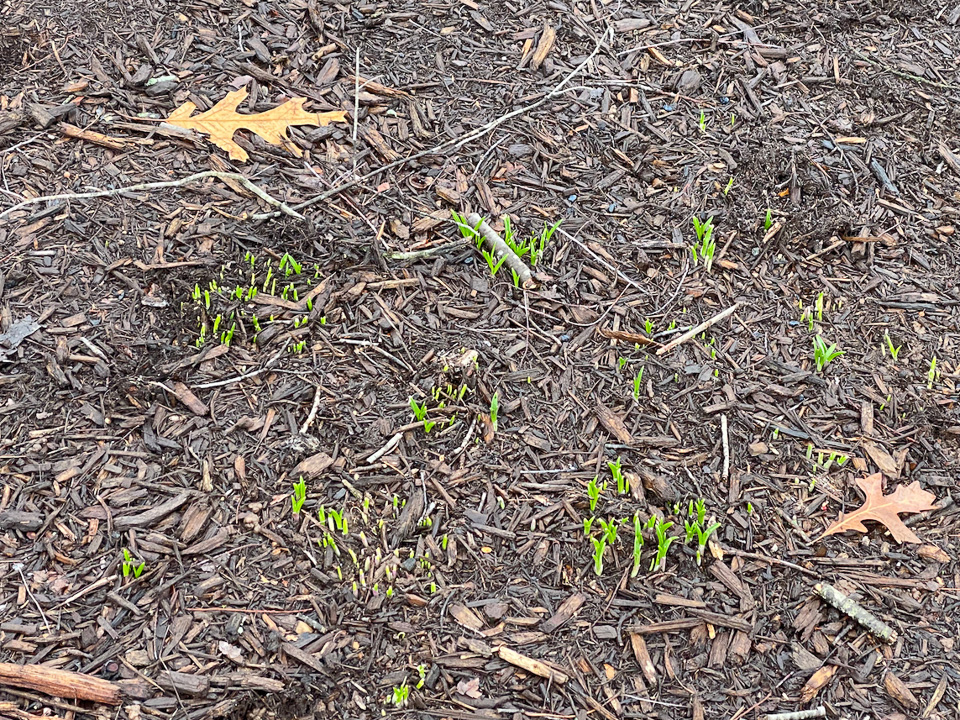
column 282, row 207
column 798, row 715
column 853, row 609
column 698, row 329
column 501, row 249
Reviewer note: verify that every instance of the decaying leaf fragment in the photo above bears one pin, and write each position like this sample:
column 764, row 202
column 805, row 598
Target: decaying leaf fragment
column 222, row 120
column 885, row 509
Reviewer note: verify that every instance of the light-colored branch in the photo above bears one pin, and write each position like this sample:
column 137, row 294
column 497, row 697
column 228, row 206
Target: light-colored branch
column 726, row 446
column 451, row 145
column 282, row 208
column 501, row 249
column 850, row 607
column 698, row 329
column 798, row 715
column 427, row 252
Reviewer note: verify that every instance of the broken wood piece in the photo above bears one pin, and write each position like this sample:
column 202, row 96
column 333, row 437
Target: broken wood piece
column 568, row 608
column 151, row 516
column 531, row 665
column 93, row 137
column 547, row 39
column 612, row 422
column 898, row 690
column 853, row 609
column 60, row 683
column 184, row 683
column 721, row 620
column 642, row 656
column 375, row 87
column 18, row 520
column 303, row 657
column 698, row 329
column 501, row 249
column 664, row 627
column 186, row 396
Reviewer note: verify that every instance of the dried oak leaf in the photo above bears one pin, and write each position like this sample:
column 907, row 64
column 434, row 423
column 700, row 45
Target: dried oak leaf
column 885, row 509
column 222, row 120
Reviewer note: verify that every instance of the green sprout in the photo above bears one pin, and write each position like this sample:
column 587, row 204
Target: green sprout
column 492, row 261
column 428, row 425
column 587, row 524
column 933, row 374
column 471, row 233
column 702, row 122
column 401, row 694
column 637, row 380
column 824, row 354
column 494, row 410
column 609, row 528
column 728, row 187
column 299, row 495
column 706, row 246
column 768, row 220
column 894, row 351
column 539, row 244
column 419, row 411
column 593, row 492
column 637, row 545
column 663, row 544
column 128, row 565
column 695, row 527
column 623, row 485
column 599, row 545
column 648, row 326
column 422, row 672
column 621, row 363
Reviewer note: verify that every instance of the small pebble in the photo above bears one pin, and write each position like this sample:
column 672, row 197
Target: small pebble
column 669, row 108
column 601, row 125
column 612, row 207
column 724, row 100
column 572, row 198
column 564, row 338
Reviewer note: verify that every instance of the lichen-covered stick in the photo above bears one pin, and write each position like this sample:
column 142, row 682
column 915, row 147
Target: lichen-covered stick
column 851, row 607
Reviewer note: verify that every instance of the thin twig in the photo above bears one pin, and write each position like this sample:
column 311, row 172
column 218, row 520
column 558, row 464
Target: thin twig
column 427, row 252
column 726, row 446
column 697, row 329
column 798, row 715
column 450, row 145
column 313, row 412
column 283, row 208
column 356, row 109
column 599, row 259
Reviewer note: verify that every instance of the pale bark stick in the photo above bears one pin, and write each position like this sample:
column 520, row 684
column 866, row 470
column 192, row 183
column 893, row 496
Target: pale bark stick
column 692, row 332
column 60, row 683
column 501, row 249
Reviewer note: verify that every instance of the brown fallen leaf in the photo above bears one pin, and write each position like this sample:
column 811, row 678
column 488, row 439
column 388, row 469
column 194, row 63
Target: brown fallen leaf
column 817, row 682
column 635, row 338
column 222, row 120
column 885, row 509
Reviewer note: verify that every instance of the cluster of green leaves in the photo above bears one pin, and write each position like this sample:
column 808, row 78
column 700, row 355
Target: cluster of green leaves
column 129, row 566
column 696, row 526
column 219, row 305
column 824, row 354
column 534, row 246
column 705, row 247
column 616, row 469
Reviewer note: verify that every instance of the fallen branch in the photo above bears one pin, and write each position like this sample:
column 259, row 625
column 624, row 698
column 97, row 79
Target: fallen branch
column 283, row 208
column 698, row 329
column 60, row 683
column 853, row 609
column 501, row 249
column 798, row 715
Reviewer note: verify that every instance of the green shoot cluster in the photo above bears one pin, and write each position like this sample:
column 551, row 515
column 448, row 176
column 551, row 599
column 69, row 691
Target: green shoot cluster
column 705, row 246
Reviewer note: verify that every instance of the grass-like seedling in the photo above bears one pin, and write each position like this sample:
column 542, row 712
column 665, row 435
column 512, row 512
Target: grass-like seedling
column 637, row 380
column 664, row 542
column 623, row 485
column 539, row 244
column 401, row 694
column 932, row 374
column 702, row 122
column 419, row 411
column 819, row 307
column 599, row 546
column 824, row 354
column 468, row 231
column 494, row 410
column 637, row 545
column 299, row 495
column 129, row 566
column 648, row 326
column 768, row 220
column 894, row 351
column 696, row 527
column 587, row 524
column 706, row 246
column 728, row 187
column 621, row 363
column 593, row 492
column 609, row 528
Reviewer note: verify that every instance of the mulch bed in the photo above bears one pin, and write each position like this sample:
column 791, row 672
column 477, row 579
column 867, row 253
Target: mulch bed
column 822, row 140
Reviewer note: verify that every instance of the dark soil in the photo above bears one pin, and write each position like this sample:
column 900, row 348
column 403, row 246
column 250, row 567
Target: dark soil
column 822, row 140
